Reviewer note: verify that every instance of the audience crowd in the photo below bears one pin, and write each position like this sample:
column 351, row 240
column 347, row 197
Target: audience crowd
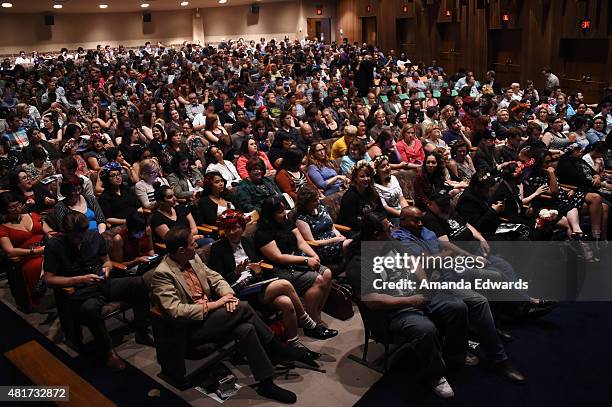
column 277, row 159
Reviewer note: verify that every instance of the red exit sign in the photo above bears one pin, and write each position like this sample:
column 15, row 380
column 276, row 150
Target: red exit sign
column 585, row 24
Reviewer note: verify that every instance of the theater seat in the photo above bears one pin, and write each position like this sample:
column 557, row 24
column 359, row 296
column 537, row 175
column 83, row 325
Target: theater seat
column 179, row 362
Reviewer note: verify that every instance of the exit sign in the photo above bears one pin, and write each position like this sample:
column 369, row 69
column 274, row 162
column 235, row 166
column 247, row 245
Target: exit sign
column 585, row 24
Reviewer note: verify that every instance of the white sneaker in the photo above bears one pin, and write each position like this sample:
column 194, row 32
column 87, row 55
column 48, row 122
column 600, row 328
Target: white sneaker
column 442, row 389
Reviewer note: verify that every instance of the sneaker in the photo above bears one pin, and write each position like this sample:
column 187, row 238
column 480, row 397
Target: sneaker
column 442, row 389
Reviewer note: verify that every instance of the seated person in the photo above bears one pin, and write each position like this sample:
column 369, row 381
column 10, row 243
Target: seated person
column 252, row 191
column 280, row 243
column 388, row 187
column 117, row 201
column 36, row 198
column 214, row 200
column 169, row 214
column 291, row 177
column 184, row 289
column 215, row 161
column 476, row 208
column 150, row 173
column 340, row 146
column 21, row 239
column 185, row 180
column 74, row 200
column 322, row 171
column 234, row 254
column 248, row 151
column 315, row 224
column 420, row 240
column 79, row 259
column 356, row 152
column 360, row 198
column 133, row 244
column 408, row 316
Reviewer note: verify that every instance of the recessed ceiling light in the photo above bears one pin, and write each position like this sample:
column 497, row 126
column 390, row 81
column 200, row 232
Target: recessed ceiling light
column 184, row 3
column 103, row 6
column 144, row 5
column 7, row 5
column 57, row 6
column 222, row 1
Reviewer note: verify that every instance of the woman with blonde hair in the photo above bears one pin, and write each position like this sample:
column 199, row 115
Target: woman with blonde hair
column 150, row 173
column 446, row 113
column 410, row 147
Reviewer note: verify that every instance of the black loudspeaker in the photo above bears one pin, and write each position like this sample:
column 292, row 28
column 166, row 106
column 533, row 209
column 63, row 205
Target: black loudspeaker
column 255, row 8
column 49, row 20
column 146, row 17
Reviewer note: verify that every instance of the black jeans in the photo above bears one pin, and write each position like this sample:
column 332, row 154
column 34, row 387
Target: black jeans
column 129, row 289
column 246, row 327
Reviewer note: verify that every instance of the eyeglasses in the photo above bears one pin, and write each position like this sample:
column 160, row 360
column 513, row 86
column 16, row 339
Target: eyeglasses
column 169, row 196
column 115, row 175
column 24, row 178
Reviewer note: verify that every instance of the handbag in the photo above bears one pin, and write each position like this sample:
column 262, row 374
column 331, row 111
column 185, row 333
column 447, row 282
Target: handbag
column 339, row 304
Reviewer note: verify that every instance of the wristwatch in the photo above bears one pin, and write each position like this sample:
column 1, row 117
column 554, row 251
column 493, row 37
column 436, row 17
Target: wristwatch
column 306, row 260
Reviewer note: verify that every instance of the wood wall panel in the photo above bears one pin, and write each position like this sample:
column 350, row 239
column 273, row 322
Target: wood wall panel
column 540, row 25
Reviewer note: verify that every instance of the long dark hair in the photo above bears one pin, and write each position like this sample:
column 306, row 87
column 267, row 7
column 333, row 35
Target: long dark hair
column 437, row 177
column 269, row 207
column 292, row 159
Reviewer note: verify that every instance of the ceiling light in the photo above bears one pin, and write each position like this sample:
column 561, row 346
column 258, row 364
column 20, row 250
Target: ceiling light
column 144, row 5
column 103, row 6
column 184, row 3
column 7, row 5
column 222, row 1
column 57, row 6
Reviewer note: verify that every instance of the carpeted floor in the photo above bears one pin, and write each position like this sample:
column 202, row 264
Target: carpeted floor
column 566, row 357
column 128, row 388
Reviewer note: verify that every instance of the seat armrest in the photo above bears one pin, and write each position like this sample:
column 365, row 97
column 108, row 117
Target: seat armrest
column 342, row 228
column 211, row 227
column 204, row 229
column 312, row 243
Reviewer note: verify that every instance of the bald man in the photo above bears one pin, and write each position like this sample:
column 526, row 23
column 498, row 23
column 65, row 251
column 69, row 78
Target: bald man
column 305, row 138
column 420, row 240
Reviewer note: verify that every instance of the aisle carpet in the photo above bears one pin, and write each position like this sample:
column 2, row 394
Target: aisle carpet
column 566, row 357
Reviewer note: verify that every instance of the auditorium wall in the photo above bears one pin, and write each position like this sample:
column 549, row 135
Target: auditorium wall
column 29, row 32
column 279, row 19
column 474, row 35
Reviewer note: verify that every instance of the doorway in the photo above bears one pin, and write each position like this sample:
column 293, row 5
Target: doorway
column 368, row 30
column 405, row 29
column 505, row 52
column 319, row 28
column 449, row 58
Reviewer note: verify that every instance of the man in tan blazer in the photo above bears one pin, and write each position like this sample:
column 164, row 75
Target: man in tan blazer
column 185, row 288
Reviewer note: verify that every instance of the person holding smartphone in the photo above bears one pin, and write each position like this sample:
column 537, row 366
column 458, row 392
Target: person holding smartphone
column 78, row 258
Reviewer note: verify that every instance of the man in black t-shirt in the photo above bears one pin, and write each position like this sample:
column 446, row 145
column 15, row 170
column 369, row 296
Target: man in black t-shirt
column 79, row 259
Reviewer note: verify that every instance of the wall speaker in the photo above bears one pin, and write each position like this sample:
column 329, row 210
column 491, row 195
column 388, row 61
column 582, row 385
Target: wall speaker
column 255, row 8
column 146, row 17
column 49, row 19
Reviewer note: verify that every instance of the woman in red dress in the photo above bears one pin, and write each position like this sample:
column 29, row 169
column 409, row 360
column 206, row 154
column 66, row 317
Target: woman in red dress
column 21, row 239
